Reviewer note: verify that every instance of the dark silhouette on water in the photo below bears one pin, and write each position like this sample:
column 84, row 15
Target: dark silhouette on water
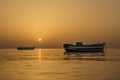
column 80, row 47
column 25, row 48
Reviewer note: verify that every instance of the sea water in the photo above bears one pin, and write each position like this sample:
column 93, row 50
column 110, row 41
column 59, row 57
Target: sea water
column 56, row 64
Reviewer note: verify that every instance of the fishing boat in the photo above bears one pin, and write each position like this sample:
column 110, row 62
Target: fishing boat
column 25, row 48
column 80, row 47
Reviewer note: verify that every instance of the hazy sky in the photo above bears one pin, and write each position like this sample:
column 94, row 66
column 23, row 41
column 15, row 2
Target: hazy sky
column 23, row 22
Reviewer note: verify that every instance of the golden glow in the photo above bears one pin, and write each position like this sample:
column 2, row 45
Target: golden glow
column 39, row 39
column 26, row 22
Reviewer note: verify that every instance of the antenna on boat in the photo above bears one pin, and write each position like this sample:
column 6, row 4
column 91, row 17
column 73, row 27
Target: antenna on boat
column 105, row 47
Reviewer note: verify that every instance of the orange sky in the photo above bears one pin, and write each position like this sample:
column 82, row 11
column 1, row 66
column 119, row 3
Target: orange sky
column 23, row 22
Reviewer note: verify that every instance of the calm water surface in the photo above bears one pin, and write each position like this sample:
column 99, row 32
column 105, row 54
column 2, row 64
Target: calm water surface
column 55, row 64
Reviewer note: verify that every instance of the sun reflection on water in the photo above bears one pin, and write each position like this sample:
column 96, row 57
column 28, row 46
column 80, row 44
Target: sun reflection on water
column 39, row 55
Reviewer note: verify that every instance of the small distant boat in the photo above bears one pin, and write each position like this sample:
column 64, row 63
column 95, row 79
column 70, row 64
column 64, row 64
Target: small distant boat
column 80, row 47
column 25, row 48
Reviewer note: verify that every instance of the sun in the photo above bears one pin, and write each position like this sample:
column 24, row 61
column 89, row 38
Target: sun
column 39, row 39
